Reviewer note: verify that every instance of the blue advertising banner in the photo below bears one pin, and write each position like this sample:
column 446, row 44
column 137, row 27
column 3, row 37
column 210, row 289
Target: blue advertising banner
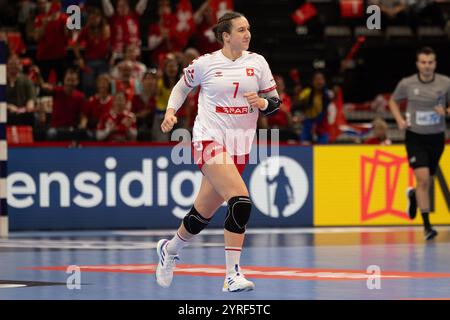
column 142, row 188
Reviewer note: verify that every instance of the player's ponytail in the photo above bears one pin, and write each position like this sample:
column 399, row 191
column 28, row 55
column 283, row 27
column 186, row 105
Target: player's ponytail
column 224, row 25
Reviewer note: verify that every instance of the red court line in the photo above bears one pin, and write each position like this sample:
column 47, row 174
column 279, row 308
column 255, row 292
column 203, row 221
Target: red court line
column 254, row 272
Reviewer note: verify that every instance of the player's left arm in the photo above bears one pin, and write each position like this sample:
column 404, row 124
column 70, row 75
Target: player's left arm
column 267, row 99
column 268, row 103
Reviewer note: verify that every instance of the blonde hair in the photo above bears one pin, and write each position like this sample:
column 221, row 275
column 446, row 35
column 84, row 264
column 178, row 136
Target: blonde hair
column 378, row 122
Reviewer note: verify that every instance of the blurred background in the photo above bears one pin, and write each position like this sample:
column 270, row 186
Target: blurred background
column 320, row 47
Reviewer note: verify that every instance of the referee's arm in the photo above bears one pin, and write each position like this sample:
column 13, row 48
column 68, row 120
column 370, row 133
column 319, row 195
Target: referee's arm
column 395, row 109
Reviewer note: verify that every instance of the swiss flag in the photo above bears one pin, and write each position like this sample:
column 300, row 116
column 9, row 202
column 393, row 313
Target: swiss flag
column 304, row 13
column 220, row 7
column 250, row 72
column 185, row 18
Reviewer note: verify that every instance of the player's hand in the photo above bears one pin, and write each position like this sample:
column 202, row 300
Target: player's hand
column 402, row 124
column 169, row 120
column 440, row 110
column 254, row 100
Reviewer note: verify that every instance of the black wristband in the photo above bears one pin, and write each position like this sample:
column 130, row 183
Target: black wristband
column 272, row 107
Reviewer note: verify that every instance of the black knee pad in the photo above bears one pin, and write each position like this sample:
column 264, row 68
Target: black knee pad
column 239, row 209
column 194, row 222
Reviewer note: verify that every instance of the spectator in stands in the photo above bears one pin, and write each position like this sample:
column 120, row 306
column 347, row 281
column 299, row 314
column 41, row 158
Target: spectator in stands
column 119, row 124
column 313, row 103
column 97, row 105
column 27, row 9
column 380, row 133
column 95, row 37
column 132, row 54
column 393, row 12
column 67, row 105
column 124, row 22
column 162, row 35
column 204, row 38
column 20, row 94
column 171, row 73
column 52, row 37
column 282, row 120
column 144, row 104
column 189, row 55
column 125, row 81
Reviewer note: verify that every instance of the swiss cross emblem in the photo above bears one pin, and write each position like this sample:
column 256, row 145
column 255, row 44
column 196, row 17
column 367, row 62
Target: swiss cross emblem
column 250, row 72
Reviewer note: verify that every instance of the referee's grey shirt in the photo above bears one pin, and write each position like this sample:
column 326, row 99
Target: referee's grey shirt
column 422, row 98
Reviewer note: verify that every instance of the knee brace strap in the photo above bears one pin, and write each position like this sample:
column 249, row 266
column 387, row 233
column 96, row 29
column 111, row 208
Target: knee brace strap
column 238, row 214
column 194, row 222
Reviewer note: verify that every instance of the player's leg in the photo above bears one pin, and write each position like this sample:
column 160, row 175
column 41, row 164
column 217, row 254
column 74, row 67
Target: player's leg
column 196, row 220
column 418, row 160
column 224, row 176
column 435, row 148
column 422, row 175
column 206, row 204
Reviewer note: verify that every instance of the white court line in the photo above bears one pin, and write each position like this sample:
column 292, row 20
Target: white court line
column 285, row 231
column 90, row 245
column 207, row 232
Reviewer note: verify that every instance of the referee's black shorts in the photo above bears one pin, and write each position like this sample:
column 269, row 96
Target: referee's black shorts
column 424, row 150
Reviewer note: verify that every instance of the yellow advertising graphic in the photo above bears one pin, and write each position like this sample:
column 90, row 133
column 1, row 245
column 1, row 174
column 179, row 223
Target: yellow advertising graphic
column 366, row 186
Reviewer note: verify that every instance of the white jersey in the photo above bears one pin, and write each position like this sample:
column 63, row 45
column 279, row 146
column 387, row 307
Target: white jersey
column 224, row 115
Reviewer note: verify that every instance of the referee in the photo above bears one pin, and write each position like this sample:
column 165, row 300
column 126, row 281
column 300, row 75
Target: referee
column 428, row 99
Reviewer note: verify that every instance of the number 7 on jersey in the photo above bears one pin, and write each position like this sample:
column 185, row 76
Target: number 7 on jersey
column 236, row 90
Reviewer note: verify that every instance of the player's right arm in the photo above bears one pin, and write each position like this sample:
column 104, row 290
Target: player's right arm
column 189, row 80
column 395, row 109
column 398, row 94
column 176, row 100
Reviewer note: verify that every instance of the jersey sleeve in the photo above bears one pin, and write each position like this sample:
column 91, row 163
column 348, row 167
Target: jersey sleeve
column 400, row 93
column 193, row 73
column 266, row 81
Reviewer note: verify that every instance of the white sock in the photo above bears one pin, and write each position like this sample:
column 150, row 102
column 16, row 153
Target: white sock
column 232, row 257
column 176, row 244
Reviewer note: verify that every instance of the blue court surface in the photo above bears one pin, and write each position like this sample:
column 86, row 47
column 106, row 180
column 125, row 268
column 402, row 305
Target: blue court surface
column 285, row 264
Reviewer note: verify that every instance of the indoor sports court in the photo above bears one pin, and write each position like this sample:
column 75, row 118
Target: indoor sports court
column 293, row 264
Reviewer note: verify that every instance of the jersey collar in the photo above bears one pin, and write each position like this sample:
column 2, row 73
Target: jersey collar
column 434, row 76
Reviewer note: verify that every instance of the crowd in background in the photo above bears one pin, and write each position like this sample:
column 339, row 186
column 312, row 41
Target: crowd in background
column 94, row 83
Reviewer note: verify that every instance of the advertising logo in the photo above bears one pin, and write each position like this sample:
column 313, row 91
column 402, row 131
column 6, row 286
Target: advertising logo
column 279, row 187
column 384, row 171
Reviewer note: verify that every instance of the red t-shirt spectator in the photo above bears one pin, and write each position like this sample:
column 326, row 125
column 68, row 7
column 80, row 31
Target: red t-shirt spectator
column 138, row 105
column 124, row 123
column 96, row 47
column 204, row 39
column 53, row 44
column 131, row 88
column 124, row 31
column 175, row 40
column 95, row 108
column 66, row 108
